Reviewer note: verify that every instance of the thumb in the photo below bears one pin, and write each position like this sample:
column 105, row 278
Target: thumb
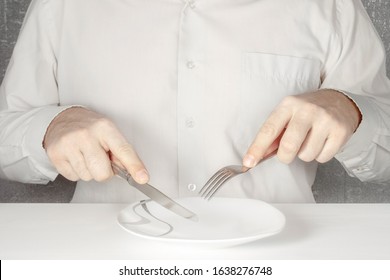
column 123, row 155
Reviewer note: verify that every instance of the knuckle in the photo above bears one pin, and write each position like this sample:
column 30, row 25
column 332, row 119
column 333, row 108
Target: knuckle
column 103, row 175
column 328, row 118
column 81, row 134
column 288, row 100
column 311, row 113
column 126, row 149
column 83, row 173
column 79, row 165
column 286, row 159
column 327, row 153
column 268, row 129
column 80, row 169
column 306, row 157
column 85, row 176
column 289, row 146
column 99, row 170
column 312, row 107
column 133, row 168
column 103, row 123
column 324, row 158
column 58, row 150
column 309, row 110
column 67, row 143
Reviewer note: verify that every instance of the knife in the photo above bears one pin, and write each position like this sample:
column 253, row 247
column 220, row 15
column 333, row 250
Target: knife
column 155, row 194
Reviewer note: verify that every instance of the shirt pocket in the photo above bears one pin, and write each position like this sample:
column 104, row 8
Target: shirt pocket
column 265, row 80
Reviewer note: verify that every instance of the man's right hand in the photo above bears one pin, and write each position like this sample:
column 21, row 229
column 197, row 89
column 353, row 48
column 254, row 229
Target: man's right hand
column 81, row 144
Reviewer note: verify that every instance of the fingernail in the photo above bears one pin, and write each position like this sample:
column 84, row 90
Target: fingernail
column 249, row 161
column 142, row 176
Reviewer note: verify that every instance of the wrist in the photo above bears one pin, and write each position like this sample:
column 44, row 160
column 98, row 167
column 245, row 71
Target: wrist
column 352, row 107
column 58, row 119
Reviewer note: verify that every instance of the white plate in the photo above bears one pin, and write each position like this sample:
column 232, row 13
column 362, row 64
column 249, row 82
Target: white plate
column 222, row 222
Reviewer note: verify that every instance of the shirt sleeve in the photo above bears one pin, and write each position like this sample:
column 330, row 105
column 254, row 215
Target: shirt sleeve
column 29, row 100
column 358, row 69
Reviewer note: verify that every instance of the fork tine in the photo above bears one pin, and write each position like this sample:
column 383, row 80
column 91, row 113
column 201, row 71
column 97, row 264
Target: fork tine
column 217, row 185
column 211, row 181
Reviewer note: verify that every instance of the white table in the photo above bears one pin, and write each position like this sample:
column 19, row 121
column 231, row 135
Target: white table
column 90, row 231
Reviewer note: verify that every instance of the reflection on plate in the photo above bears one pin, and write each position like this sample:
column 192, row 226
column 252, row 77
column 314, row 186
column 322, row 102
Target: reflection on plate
column 222, row 222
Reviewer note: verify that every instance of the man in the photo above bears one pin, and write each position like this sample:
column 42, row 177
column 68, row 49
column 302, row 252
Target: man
column 173, row 90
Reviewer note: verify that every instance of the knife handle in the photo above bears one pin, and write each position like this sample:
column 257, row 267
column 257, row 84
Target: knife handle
column 120, row 171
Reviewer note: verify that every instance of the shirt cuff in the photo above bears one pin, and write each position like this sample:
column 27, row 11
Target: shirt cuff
column 34, row 136
column 354, row 153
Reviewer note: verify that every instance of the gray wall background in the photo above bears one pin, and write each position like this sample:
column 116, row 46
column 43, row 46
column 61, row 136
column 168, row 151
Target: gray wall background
column 332, row 185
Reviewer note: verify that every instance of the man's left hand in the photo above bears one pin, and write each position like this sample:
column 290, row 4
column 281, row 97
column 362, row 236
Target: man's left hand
column 311, row 126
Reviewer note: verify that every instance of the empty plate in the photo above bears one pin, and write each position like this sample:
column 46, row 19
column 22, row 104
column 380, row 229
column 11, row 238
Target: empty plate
column 222, row 222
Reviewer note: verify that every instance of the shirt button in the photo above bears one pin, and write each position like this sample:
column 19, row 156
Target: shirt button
column 191, row 187
column 190, row 64
column 362, row 168
column 190, row 123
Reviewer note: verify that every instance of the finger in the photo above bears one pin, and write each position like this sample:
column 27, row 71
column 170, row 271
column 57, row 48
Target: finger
column 275, row 145
column 313, row 144
column 267, row 138
column 97, row 162
column 293, row 138
column 125, row 153
column 115, row 160
column 66, row 170
column 332, row 146
column 78, row 165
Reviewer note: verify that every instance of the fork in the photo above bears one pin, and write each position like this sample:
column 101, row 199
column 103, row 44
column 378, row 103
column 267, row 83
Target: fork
column 223, row 175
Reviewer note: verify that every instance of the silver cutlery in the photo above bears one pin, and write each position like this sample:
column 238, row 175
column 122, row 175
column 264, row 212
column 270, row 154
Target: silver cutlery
column 155, row 194
column 223, row 175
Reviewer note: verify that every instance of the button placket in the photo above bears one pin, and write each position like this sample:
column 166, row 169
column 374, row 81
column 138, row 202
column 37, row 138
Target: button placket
column 189, row 100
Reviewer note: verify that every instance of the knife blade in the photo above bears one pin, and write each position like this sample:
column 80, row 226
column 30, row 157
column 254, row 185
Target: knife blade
column 155, row 194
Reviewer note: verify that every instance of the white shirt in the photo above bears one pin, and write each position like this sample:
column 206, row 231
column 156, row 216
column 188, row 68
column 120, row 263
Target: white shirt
column 189, row 84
